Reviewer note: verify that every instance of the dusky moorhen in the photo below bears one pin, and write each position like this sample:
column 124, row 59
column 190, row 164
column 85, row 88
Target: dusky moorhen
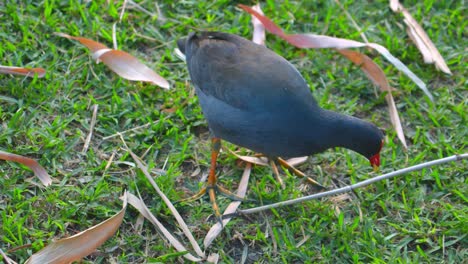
column 256, row 99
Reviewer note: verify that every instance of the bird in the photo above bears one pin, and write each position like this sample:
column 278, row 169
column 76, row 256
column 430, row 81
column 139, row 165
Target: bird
column 255, row 98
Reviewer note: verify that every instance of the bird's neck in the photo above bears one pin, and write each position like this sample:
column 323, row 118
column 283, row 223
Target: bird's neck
column 338, row 130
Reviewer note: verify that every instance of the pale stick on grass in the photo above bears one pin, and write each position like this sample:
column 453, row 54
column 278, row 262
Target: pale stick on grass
column 91, row 128
column 357, row 185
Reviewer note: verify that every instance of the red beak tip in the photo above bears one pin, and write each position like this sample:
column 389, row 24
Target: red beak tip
column 375, row 160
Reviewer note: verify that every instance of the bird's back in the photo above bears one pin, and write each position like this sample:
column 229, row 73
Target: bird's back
column 250, row 96
column 254, row 98
column 243, row 74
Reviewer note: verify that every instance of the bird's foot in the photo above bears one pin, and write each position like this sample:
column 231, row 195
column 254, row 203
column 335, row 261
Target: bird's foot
column 212, row 190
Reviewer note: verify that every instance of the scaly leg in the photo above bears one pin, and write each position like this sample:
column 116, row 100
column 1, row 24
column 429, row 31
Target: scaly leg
column 212, row 187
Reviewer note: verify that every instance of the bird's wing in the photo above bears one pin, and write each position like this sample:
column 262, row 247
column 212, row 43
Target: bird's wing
column 245, row 75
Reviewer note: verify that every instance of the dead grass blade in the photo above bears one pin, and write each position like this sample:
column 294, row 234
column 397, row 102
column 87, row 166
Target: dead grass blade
column 80, row 245
column 28, row 72
column 420, row 38
column 6, row 259
column 91, row 128
column 232, row 207
column 361, row 33
column 320, row 41
column 258, row 35
column 122, row 63
column 377, row 76
column 171, row 207
column 38, row 170
column 143, row 209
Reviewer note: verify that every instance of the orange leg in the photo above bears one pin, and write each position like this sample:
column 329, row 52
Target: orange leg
column 212, row 187
column 215, row 147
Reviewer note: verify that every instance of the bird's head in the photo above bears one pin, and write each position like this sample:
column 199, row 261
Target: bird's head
column 375, row 159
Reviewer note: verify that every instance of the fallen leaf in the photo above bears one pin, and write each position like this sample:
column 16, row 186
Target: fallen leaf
column 80, row 245
column 420, row 38
column 297, row 161
column 213, row 258
column 320, row 41
column 258, row 35
column 262, row 161
column 394, row 4
column 6, row 259
column 38, row 170
column 179, row 54
column 122, row 63
column 377, row 76
column 138, row 204
column 29, row 72
column 171, row 207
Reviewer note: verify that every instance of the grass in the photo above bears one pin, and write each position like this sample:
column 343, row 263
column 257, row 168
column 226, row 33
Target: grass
column 417, row 218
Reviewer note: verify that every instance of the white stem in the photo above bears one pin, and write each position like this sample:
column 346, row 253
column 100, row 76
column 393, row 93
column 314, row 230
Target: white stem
column 357, row 185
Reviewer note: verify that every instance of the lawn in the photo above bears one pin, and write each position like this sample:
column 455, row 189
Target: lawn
column 420, row 217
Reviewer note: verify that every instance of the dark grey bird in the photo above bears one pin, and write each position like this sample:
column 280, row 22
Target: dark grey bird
column 256, row 99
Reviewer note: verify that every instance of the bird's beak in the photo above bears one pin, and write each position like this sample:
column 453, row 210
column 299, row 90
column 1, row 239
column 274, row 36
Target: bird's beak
column 375, row 162
column 376, row 168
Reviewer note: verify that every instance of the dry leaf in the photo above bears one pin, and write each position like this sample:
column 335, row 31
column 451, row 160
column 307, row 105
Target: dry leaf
column 80, row 245
column 320, row 41
column 394, row 5
column 179, row 54
column 38, row 170
column 258, row 35
column 213, row 258
column 297, row 161
column 377, row 76
column 6, row 259
column 29, row 72
column 216, row 229
column 171, row 207
column 421, row 39
column 122, row 63
column 262, row 161
column 138, row 204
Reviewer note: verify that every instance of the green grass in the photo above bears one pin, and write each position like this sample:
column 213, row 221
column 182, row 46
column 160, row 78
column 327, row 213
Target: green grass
column 417, row 218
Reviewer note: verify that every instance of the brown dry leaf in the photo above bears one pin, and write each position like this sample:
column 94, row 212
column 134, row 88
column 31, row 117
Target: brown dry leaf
column 38, row 170
column 262, row 161
column 80, row 245
column 122, row 63
column 377, row 76
column 297, row 161
column 320, row 41
column 28, row 72
column 258, row 35
column 420, row 38
column 138, row 204
column 171, row 207
column 216, row 229
column 213, row 258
